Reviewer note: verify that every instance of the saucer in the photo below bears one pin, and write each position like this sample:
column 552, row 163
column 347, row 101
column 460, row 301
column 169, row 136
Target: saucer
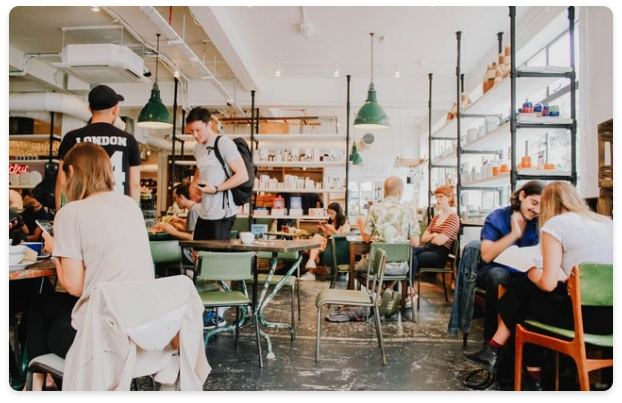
column 43, row 256
column 18, row 266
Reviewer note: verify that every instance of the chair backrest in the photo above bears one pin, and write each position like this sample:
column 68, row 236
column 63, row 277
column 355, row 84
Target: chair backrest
column 396, row 252
column 342, row 249
column 145, row 315
column 339, row 251
column 454, row 254
column 167, row 251
column 378, row 266
column 595, row 283
column 215, row 266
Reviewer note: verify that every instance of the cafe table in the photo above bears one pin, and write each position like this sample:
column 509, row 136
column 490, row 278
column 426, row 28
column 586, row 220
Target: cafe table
column 357, row 247
column 286, row 235
column 274, row 247
column 17, row 358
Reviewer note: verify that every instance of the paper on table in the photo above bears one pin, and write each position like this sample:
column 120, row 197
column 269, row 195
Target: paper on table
column 525, row 258
column 521, row 258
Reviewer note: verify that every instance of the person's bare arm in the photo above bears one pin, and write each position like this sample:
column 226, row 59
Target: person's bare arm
column 70, row 274
column 195, row 192
column 240, row 175
column 552, row 251
column 361, row 224
column 60, row 185
column 492, row 249
column 135, row 183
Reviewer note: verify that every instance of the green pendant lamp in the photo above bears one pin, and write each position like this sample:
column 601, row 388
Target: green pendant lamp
column 355, row 158
column 371, row 115
column 155, row 115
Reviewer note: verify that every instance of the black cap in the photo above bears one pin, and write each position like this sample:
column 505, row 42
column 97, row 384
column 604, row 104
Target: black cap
column 103, row 97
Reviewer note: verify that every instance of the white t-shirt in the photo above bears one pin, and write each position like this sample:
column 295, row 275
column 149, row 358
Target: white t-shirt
column 211, row 171
column 107, row 232
column 582, row 239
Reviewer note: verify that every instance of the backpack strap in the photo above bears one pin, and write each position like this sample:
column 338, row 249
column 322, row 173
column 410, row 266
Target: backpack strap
column 224, row 167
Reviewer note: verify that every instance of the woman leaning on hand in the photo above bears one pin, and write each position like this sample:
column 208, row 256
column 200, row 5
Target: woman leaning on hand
column 99, row 236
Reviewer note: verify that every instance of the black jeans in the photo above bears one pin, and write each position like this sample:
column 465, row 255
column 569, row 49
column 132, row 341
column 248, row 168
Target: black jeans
column 49, row 325
column 429, row 255
column 213, row 229
column 489, row 280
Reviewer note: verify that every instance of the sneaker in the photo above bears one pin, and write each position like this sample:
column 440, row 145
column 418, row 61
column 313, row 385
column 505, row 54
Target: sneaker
column 210, row 322
column 410, row 300
column 394, row 303
column 308, row 276
column 310, row 264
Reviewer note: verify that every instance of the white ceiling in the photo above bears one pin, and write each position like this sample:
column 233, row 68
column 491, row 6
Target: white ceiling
column 241, row 46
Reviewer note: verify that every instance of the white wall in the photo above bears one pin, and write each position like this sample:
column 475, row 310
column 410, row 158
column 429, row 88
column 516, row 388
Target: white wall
column 595, row 91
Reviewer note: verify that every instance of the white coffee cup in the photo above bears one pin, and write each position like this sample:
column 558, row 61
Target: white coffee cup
column 247, row 237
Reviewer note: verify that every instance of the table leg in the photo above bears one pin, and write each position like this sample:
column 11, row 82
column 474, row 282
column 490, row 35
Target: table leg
column 263, row 300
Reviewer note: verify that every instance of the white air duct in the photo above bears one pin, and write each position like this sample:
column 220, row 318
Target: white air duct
column 38, row 105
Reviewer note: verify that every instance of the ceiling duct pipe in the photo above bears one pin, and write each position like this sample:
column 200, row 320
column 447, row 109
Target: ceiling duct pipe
column 174, row 37
column 37, row 105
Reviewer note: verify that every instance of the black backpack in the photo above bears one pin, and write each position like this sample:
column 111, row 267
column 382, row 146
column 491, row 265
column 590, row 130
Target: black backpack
column 45, row 190
column 242, row 193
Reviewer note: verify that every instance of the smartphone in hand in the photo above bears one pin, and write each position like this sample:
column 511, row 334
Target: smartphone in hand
column 46, row 226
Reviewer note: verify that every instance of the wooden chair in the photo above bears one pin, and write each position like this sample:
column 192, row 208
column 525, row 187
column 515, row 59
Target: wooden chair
column 449, row 268
column 590, row 284
column 224, row 266
column 357, row 298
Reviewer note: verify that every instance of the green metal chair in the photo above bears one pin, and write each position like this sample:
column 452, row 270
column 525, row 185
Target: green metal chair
column 228, row 266
column 449, row 268
column 369, row 298
column 396, row 252
column 590, row 284
column 340, row 262
column 166, row 254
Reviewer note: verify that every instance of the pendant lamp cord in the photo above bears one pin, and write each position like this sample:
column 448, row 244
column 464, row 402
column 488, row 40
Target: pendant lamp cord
column 157, row 56
column 372, row 56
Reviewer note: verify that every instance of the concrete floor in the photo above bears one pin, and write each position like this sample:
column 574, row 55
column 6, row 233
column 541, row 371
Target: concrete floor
column 421, row 356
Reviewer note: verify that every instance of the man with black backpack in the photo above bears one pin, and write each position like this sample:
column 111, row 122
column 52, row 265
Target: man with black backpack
column 213, row 181
column 219, row 170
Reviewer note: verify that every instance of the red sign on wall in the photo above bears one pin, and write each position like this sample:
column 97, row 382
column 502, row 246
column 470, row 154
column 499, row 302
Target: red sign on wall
column 18, row 168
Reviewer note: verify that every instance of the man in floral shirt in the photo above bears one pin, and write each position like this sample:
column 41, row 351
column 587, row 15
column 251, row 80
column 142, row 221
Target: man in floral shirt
column 390, row 221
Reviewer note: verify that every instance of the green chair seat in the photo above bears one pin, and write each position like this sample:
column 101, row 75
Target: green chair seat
column 342, row 297
column 601, row 340
column 216, row 299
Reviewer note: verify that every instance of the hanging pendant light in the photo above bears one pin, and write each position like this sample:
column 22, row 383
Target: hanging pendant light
column 155, row 115
column 355, row 158
column 371, row 115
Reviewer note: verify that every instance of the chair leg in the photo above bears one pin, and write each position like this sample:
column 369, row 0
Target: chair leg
column 318, row 332
column 379, row 334
column 418, row 289
column 237, row 325
column 292, row 303
column 518, row 359
column 582, row 373
column 298, row 297
column 445, row 287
